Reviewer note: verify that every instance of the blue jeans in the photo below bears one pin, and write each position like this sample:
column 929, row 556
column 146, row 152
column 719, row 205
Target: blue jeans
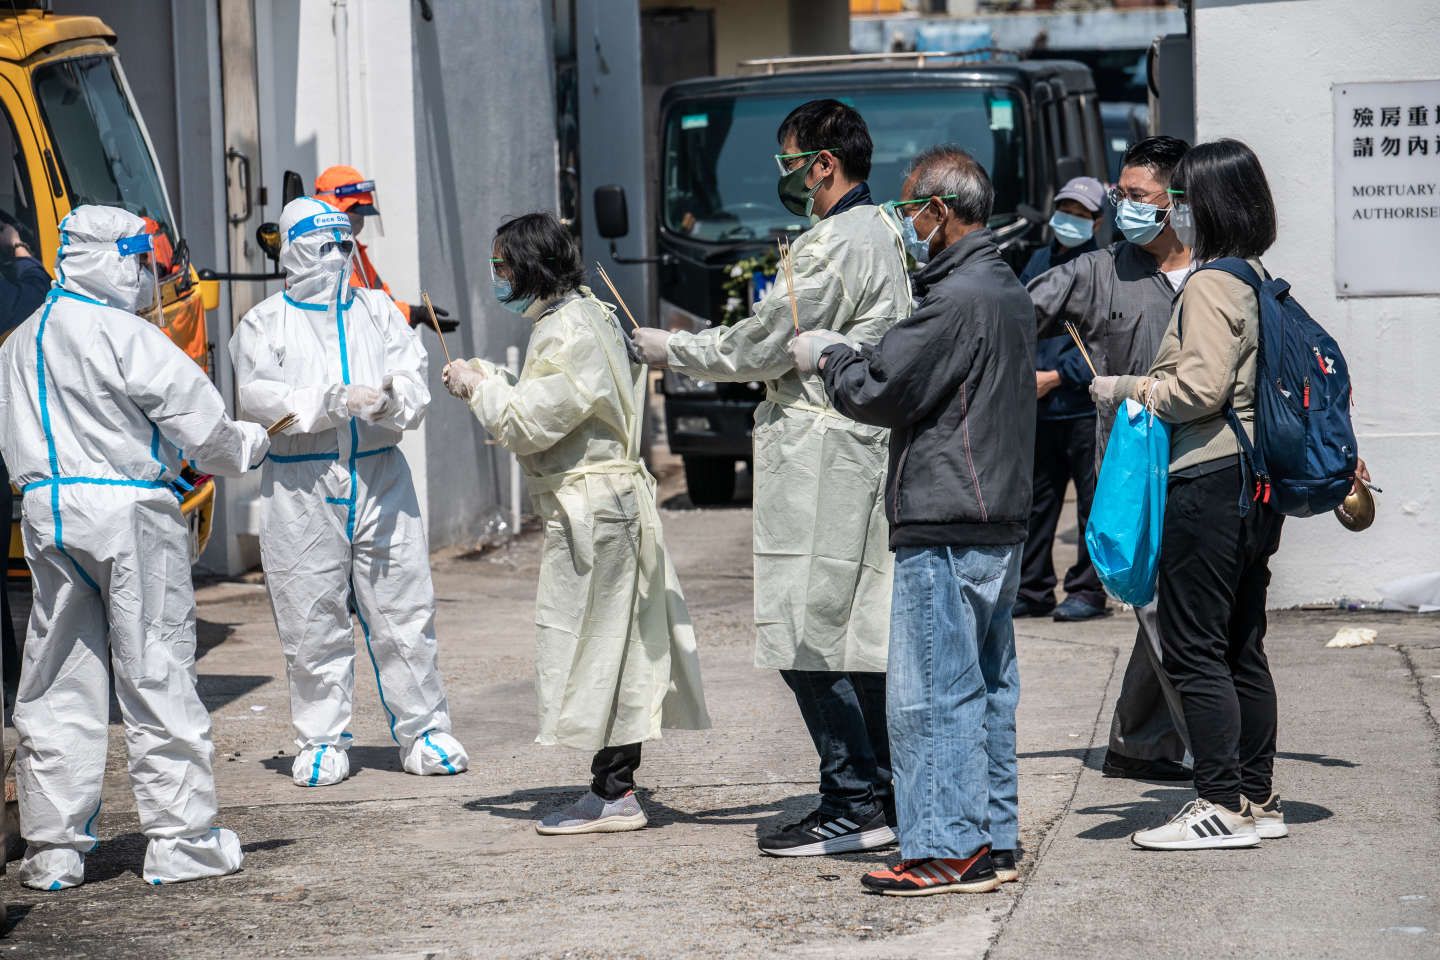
column 951, row 697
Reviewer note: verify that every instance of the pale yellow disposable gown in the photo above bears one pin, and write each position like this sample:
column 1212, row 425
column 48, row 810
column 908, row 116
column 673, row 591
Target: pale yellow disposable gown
column 615, row 657
column 822, row 559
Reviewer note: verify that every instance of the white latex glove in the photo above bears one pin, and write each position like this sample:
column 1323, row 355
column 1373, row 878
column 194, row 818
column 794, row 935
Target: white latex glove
column 1105, row 391
column 359, row 399
column 651, row 343
column 805, row 349
column 461, row 379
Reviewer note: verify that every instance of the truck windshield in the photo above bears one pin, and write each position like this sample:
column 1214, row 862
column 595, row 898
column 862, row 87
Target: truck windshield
column 102, row 153
column 719, row 178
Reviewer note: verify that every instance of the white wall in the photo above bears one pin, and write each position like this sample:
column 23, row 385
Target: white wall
column 1263, row 73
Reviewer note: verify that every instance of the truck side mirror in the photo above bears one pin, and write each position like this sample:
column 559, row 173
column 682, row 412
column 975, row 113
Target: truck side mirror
column 267, row 235
column 1068, row 168
column 292, row 186
column 1029, row 213
column 612, row 215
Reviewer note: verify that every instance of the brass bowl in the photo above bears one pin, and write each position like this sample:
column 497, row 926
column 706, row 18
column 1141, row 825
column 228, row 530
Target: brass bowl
column 1357, row 510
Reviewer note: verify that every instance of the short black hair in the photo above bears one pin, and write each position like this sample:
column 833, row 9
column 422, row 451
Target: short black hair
column 1225, row 187
column 543, row 258
column 830, row 125
column 1160, row 154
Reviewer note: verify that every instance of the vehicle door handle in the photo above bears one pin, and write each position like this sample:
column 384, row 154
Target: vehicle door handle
column 241, row 163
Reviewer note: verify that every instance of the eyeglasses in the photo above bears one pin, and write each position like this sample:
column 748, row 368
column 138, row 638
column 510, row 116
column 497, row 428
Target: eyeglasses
column 782, row 160
column 1116, row 195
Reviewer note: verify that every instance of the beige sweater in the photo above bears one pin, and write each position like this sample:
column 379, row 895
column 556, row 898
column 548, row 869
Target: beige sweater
column 1191, row 380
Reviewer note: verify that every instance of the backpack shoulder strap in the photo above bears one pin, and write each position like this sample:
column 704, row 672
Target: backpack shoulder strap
column 1238, row 268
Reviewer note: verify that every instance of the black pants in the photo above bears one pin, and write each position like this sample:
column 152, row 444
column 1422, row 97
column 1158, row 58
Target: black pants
column 1064, row 454
column 1214, row 571
column 613, row 770
column 845, row 714
column 1149, row 722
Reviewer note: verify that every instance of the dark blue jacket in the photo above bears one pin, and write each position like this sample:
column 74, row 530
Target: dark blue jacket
column 23, row 295
column 1071, row 400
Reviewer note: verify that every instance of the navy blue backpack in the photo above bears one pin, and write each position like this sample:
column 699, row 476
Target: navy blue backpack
column 1304, row 455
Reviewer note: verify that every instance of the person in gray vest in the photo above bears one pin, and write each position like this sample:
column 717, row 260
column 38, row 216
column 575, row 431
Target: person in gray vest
column 1119, row 299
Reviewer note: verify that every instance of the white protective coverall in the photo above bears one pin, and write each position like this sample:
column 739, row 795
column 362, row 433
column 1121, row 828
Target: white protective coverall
column 339, row 520
column 615, row 657
column 95, row 406
column 822, row 559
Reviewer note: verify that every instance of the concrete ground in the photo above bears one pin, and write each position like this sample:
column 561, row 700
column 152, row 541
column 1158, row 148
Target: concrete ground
column 388, row 865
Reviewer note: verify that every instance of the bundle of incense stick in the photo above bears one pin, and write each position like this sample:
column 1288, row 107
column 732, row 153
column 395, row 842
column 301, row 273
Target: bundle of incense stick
column 1075, row 335
column 787, row 267
column 435, row 321
column 616, row 294
column 284, row 423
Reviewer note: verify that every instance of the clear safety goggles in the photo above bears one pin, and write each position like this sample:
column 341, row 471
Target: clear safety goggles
column 783, row 160
column 894, row 206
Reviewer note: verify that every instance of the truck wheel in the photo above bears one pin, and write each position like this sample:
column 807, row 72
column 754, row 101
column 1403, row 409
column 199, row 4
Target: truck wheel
column 710, row 480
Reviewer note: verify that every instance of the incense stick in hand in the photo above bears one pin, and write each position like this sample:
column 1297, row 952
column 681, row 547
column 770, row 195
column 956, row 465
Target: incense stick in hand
column 616, row 294
column 281, row 425
column 787, row 268
column 436, row 324
column 1075, row 335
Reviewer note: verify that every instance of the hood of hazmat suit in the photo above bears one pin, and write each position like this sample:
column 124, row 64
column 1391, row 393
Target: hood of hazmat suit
column 339, row 519
column 616, row 658
column 822, row 561
column 96, row 407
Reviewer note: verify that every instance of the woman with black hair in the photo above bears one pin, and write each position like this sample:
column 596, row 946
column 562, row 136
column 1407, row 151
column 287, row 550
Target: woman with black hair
column 1214, row 559
column 615, row 655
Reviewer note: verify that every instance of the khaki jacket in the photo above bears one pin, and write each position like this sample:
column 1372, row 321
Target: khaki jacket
column 1194, row 377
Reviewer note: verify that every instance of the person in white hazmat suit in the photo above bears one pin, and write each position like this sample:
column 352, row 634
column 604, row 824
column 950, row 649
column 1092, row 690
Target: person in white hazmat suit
column 822, row 563
column 615, row 656
column 339, row 520
column 96, row 405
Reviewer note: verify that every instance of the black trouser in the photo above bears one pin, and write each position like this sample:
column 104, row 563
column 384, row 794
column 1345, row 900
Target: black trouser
column 1064, row 453
column 845, row 714
column 1149, row 722
column 613, row 770
column 1214, row 571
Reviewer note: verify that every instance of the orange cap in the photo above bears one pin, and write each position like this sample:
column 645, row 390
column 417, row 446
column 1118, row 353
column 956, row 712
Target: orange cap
column 339, row 176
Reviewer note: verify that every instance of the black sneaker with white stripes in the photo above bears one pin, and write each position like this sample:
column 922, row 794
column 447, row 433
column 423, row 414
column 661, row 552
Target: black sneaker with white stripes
column 820, row 834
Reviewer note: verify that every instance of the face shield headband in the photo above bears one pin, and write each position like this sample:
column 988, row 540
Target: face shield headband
column 147, row 301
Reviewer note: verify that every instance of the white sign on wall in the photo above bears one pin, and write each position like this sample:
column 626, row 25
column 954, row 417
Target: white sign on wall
column 1387, row 188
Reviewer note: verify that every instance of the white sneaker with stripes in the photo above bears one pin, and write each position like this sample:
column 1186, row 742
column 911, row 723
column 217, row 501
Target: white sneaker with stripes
column 820, row 834
column 1200, row 825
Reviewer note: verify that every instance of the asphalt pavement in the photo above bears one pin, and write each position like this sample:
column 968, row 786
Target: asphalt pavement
column 389, row 865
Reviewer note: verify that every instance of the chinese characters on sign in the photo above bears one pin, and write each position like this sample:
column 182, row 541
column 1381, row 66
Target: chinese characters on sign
column 1387, row 188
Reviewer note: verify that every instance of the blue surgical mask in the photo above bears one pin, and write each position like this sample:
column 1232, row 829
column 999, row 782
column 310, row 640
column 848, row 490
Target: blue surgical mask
column 914, row 245
column 503, row 292
column 1071, row 230
column 1139, row 222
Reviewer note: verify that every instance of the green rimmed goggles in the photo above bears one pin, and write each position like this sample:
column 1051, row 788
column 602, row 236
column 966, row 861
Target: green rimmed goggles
column 781, row 159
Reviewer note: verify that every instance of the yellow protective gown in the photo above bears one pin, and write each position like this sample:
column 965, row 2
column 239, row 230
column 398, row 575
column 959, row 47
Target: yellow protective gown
column 615, row 656
column 822, row 559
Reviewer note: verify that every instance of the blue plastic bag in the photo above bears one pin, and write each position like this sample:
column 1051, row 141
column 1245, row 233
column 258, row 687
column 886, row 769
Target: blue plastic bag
column 1128, row 514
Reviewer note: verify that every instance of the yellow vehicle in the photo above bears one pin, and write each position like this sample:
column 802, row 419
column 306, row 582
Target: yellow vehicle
column 72, row 135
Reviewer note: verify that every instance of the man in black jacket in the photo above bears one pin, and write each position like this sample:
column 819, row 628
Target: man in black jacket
column 955, row 384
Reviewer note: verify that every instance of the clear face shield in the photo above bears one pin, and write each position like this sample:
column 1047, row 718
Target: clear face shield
column 363, row 208
column 148, row 300
column 319, row 257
